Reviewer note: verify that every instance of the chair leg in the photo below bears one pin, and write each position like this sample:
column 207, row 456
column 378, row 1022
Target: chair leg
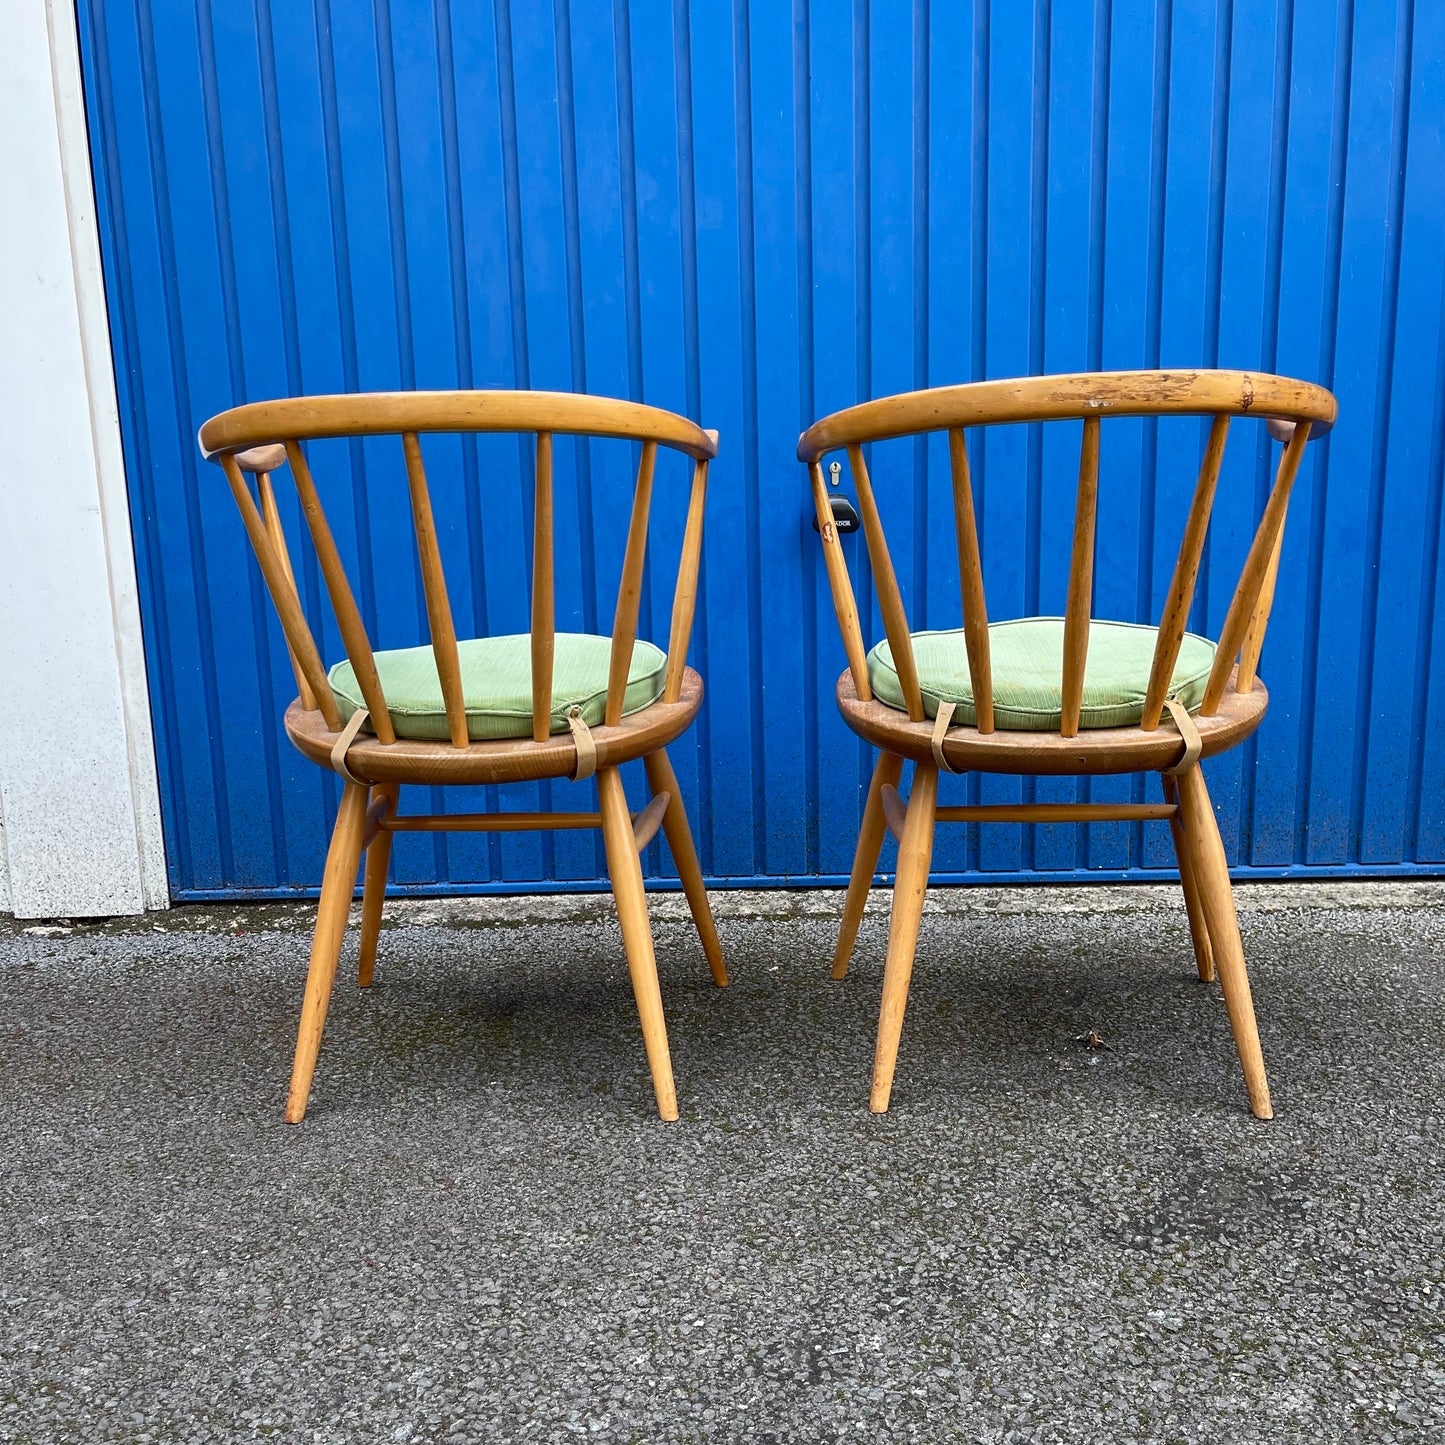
column 1206, row 850
column 662, row 779
column 886, row 771
column 915, row 853
column 1198, row 926
column 373, row 891
column 337, row 886
column 626, row 872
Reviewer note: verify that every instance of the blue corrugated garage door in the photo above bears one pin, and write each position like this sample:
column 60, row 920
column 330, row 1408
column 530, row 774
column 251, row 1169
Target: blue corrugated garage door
column 756, row 214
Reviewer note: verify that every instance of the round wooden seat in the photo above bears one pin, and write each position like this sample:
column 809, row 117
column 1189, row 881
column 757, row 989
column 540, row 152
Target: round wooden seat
column 503, row 760
column 1091, row 751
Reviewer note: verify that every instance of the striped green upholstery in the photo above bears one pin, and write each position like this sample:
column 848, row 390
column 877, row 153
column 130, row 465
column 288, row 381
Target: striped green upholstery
column 497, row 685
column 1028, row 669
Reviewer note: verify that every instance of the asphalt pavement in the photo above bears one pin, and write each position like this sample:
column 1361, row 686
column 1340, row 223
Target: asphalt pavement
column 482, row 1232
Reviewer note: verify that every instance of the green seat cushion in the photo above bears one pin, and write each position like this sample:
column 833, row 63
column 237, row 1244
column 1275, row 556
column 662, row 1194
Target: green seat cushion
column 497, row 685
column 1028, row 673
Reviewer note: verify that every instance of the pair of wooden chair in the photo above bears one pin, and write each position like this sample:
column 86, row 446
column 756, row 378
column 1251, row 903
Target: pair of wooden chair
column 1035, row 696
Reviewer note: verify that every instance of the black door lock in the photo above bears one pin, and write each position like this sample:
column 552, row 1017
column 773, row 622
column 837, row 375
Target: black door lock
column 845, row 516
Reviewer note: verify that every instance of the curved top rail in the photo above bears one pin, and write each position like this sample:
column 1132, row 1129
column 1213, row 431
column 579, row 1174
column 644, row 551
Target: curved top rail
column 387, row 413
column 1071, row 396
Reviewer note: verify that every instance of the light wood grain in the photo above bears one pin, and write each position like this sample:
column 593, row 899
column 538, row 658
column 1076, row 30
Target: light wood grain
column 845, row 606
column 684, row 599
column 1081, row 581
column 627, row 892
column 389, row 413
column 1174, row 619
column 544, row 620
column 343, row 603
column 1252, row 578
column 373, row 890
column 1193, row 906
column 970, row 578
column 337, row 885
column 629, row 592
column 915, row 853
column 886, row 772
column 885, row 581
column 1070, row 397
column 1206, row 850
column 271, row 515
column 288, row 606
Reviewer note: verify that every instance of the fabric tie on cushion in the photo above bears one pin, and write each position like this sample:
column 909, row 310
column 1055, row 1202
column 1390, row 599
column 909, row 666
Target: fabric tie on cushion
column 344, row 740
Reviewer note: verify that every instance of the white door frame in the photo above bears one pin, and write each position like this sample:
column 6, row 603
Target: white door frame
column 80, row 819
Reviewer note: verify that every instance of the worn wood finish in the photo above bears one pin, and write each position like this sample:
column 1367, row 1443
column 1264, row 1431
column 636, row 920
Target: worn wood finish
column 885, row 580
column 373, row 889
column 271, row 515
column 1234, row 703
column 1211, row 871
column 337, row 885
column 915, row 853
column 1070, row 397
column 627, row 892
column 662, row 779
column 1081, row 580
column 1174, row 620
column 845, row 605
column 1193, row 906
column 343, row 603
column 970, row 582
column 629, row 592
column 684, row 597
column 1094, row 751
column 389, row 413
column 544, row 618
column 507, row 760
column 434, row 589
column 283, row 597
column 260, row 437
column 1252, row 578
column 886, row 772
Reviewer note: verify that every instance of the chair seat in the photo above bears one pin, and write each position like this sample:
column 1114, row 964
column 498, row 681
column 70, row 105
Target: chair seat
column 1027, row 658
column 497, row 685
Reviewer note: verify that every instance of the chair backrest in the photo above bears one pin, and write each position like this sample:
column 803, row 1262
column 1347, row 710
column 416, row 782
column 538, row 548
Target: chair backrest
column 1295, row 410
column 255, row 439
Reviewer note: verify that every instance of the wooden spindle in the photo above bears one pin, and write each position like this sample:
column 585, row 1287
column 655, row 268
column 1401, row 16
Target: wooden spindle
column 544, row 619
column 1259, row 618
column 890, row 599
column 684, row 599
column 629, row 592
column 343, row 604
column 283, row 596
column 434, row 589
column 1175, row 618
column 845, row 606
column 1251, row 579
column 970, row 583
column 1081, row 581
column 271, row 515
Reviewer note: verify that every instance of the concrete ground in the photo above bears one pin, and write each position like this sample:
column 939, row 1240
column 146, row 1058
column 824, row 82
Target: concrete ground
column 482, row 1231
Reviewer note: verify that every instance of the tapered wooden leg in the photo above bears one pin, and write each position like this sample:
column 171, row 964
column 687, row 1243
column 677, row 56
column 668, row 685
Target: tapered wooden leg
column 886, row 772
column 338, row 883
column 1198, row 927
column 662, row 779
column 626, row 873
column 373, row 892
column 1211, row 872
column 915, row 853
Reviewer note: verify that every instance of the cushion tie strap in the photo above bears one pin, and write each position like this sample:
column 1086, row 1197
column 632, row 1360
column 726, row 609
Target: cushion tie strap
column 940, row 728
column 344, row 740
column 586, row 748
column 1193, row 743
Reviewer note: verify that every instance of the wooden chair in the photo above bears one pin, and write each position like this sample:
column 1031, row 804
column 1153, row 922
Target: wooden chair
column 1229, row 708
column 375, row 765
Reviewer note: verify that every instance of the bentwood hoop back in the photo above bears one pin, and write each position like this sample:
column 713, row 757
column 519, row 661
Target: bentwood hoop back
column 578, row 706
column 1014, row 717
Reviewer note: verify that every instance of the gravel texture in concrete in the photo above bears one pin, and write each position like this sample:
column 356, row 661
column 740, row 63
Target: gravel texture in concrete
column 483, row 1233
